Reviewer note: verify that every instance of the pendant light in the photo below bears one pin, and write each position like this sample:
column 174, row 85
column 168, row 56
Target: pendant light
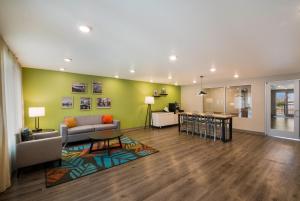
column 201, row 93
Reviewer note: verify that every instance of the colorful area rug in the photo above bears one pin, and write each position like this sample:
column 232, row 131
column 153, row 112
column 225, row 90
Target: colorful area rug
column 77, row 162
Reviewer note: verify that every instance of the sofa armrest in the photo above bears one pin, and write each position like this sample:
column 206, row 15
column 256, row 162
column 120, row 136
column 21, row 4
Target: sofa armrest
column 117, row 123
column 38, row 136
column 63, row 130
column 38, row 151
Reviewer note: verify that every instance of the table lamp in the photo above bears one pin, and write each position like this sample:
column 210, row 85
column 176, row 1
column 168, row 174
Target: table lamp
column 36, row 112
column 149, row 100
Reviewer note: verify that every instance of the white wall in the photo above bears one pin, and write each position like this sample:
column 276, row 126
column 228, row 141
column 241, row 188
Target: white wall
column 191, row 102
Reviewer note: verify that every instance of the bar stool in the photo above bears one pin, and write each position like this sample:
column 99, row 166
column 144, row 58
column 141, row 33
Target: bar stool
column 202, row 126
column 218, row 129
column 190, row 124
column 210, row 125
column 183, row 123
column 187, row 123
column 196, row 123
column 194, row 118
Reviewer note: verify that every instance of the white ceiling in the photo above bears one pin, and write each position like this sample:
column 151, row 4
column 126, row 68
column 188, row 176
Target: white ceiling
column 253, row 38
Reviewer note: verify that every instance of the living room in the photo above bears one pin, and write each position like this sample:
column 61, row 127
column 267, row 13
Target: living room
column 149, row 100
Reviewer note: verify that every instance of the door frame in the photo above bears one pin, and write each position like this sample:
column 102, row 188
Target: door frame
column 278, row 133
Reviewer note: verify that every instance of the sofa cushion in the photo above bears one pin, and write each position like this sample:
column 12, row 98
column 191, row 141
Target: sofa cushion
column 88, row 120
column 107, row 119
column 70, row 122
column 100, row 127
column 81, row 129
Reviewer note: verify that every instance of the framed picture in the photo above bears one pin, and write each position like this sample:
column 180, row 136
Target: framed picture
column 97, row 87
column 85, row 103
column 155, row 92
column 103, row 103
column 79, row 87
column 67, row 102
column 163, row 91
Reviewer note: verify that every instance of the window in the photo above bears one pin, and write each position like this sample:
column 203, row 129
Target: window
column 239, row 101
column 234, row 100
column 214, row 100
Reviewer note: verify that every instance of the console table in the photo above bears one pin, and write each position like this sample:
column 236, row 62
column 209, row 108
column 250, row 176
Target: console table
column 160, row 119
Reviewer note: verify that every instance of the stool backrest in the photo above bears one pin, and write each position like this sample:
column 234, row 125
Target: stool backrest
column 210, row 119
column 183, row 117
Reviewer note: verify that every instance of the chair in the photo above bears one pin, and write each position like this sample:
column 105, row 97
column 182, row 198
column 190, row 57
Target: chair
column 183, row 123
column 187, row 122
column 191, row 123
column 218, row 127
column 200, row 123
column 42, row 148
column 211, row 126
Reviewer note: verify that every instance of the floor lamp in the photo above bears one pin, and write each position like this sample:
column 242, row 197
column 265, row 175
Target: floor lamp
column 149, row 100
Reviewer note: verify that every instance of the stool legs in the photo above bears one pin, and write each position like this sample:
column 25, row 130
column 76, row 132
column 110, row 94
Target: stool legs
column 205, row 126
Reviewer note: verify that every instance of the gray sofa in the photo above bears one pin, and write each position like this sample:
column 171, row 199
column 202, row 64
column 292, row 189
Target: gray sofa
column 85, row 126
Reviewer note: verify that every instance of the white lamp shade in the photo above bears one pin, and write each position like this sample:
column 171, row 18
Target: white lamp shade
column 36, row 111
column 149, row 100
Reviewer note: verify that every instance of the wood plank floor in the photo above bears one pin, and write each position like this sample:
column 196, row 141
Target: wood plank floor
column 251, row 167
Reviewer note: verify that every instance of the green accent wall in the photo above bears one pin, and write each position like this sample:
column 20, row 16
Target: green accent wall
column 46, row 88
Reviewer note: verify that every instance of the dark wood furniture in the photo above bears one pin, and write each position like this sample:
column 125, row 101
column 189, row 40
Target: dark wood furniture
column 224, row 118
column 105, row 136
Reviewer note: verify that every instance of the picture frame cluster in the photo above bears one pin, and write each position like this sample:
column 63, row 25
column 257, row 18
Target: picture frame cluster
column 85, row 103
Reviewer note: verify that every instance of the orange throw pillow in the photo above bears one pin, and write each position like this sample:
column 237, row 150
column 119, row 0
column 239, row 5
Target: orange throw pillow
column 107, row 119
column 70, row 122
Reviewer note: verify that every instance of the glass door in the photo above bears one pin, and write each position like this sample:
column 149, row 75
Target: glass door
column 282, row 103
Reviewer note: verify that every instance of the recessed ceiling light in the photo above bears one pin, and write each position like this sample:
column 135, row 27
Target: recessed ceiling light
column 84, row 29
column 172, row 57
column 116, row 76
column 236, row 76
column 132, row 71
column 67, row 60
column 213, row 69
column 170, row 77
column 62, row 69
column 194, row 81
